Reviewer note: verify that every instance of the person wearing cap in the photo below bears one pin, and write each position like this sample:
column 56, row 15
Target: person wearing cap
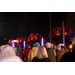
column 32, row 52
column 70, row 56
column 50, row 52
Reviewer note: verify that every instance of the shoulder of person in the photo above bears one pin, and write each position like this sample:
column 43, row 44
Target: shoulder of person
column 34, row 59
column 48, row 59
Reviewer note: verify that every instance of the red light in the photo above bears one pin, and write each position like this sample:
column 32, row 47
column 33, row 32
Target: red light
column 28, row 39
column 35, row 37
column 48, row 35
column 65, row 33
column 57, row 34
column 9, row 41
column 70, row 30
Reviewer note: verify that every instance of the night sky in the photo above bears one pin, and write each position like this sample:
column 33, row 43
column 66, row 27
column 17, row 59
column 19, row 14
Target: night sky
column 38, row 22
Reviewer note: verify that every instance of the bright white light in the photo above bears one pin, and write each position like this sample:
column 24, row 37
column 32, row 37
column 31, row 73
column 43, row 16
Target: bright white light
column 24, row 44
column 42, row 41
column 13, row 45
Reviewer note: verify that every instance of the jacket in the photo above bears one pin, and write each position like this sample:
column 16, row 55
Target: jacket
column 59, row 54
column 68, row 57
column 51, row 54
column 26, row 52
column 31, row 54
column 35, row 59
column 13, row 59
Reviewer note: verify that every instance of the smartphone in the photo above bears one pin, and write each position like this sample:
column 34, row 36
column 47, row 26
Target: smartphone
column 15, row 40
column 61, row 44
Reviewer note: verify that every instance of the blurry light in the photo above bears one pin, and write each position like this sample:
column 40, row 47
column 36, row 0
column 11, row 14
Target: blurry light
column 35, row 37
column 70, row 46
column 42, row 41
column 51, row 45
column 9, row 41
column 58, row 34
column 5, row 38
column 24, row 44
column 20, row 40
column 65, row 33
column 28, row 39
column 13, row 45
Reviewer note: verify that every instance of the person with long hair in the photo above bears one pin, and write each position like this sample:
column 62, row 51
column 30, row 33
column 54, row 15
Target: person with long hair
column 41, row 55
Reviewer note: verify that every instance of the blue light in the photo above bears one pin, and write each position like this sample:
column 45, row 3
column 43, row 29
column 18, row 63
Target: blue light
column 42, row 41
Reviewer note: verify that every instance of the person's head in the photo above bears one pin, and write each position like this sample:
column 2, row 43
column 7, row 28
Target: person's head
column 28, row 46
column 37, row 44
column 41, row 52
column 48, row 45
column 58, row 47
column 55, row 46
column 7, row 51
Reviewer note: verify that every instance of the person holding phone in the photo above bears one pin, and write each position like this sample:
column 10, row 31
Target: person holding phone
column 61, row 49
column 17, row 48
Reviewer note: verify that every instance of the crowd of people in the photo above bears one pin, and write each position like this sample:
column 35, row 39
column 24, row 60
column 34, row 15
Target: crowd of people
column 37, row 53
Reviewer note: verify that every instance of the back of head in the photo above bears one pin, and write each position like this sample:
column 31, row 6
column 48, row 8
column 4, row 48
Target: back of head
column 58, row 47
column 37, row 44
column 28, row 45
column 7, row 51
column 48, row 45
column 41, row 52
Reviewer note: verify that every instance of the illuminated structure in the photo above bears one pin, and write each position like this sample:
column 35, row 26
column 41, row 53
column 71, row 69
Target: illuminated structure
column 31, row 37
column 34, row 36
column 58, row 31
column 20, row 39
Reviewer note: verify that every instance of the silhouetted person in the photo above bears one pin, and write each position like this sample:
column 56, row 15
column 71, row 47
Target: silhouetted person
column 50, row 52
column 26, row 52
column 32, row 52
column 60, row 52
column 17, row 48
column 70, row 56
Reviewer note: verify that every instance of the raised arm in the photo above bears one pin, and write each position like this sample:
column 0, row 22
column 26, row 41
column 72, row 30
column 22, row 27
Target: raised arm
column 18, row 49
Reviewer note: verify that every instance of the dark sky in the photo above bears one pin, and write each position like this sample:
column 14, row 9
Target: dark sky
column 36, row 22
